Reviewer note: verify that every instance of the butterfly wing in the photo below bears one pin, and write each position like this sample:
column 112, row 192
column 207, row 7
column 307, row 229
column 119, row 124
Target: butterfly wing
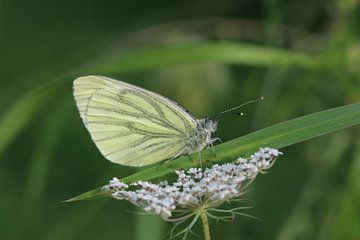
column 130, row 125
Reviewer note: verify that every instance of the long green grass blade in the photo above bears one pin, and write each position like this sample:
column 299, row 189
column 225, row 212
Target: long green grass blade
column 39, row 166
column 20, row 114
column 223, row 52
column 277, row 136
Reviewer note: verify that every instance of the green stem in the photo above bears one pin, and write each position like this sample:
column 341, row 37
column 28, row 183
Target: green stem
column 205, row 224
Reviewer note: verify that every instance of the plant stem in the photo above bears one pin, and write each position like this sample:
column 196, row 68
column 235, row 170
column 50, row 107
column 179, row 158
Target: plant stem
column 205, row 224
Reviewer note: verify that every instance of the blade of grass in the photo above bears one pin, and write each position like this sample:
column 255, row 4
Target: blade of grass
column 317, row 186
column 340, row 218
column 38, row 169
column 277, row 136
column 220, row 52
column 20, row 114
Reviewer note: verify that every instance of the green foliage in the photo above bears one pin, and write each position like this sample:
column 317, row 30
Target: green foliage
column 302, row 58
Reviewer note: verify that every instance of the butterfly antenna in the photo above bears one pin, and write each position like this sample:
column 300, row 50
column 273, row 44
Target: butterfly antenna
column 233, row 109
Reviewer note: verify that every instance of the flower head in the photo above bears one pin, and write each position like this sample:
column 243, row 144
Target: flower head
column 196, row 189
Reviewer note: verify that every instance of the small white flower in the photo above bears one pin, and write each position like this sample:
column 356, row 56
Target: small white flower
column 194, row 187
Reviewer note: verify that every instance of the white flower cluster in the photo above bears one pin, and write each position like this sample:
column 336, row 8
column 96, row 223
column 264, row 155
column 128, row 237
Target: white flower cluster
column 196, row 187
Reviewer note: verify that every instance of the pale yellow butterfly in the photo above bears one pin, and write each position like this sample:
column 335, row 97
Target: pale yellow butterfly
column 136, row 127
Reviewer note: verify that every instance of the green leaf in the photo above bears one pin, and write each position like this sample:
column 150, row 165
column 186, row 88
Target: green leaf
column 277, row 136
column 217, row 52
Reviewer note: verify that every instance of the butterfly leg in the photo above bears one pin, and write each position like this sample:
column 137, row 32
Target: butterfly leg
column 211, row 146
column 216, row 139
column 200, row 158
column 212, row 150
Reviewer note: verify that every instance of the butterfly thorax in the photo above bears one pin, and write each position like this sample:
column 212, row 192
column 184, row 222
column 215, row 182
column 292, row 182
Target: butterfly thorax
column 201, row 136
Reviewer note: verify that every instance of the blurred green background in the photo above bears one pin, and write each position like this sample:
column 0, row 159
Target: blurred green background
column 303, row 56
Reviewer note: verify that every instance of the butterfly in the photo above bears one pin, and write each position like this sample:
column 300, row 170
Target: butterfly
column 136, row 127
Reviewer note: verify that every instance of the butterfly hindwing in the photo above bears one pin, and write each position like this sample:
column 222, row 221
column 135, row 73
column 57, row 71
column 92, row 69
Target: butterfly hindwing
column 130, row 125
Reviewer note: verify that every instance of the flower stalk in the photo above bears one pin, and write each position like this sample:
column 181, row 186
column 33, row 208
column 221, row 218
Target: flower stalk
column 205, row 224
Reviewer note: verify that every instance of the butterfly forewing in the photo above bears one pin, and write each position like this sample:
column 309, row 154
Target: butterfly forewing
column 130, row 125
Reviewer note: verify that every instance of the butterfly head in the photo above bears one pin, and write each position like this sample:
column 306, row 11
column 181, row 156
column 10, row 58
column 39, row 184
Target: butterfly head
column 209, row 125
